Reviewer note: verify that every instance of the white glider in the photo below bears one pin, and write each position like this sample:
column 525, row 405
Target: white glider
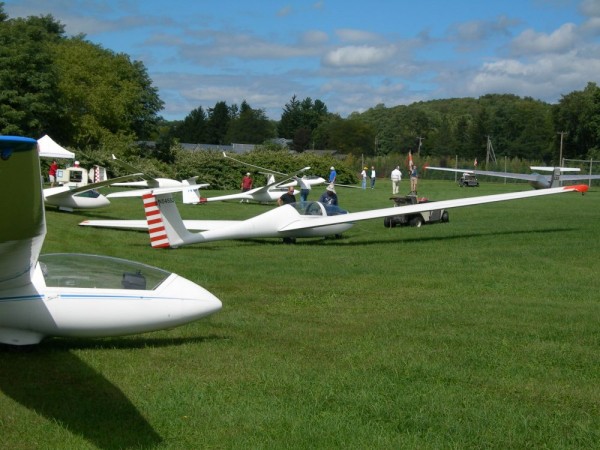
column 189, row 189
column 272, row 190
column 296, row 220
column 536, row 180
column 68, row 198
column 75, row 295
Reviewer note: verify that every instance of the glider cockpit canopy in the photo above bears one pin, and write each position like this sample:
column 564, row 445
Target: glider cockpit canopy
column 317, row 209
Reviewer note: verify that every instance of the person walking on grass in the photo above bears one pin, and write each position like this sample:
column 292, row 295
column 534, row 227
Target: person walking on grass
column 396, row 177
column 363, row 176
column 373, row 176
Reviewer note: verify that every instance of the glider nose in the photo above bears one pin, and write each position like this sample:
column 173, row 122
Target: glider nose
column 205, row 305
column 196, row 301
column 102, row 201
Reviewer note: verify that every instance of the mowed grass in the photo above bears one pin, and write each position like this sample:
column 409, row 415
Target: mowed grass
column 479, row 333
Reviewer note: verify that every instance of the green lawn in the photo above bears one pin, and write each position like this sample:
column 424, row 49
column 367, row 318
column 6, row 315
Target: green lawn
column 480, row 333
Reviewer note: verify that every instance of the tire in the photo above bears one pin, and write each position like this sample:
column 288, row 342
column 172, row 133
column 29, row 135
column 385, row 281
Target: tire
column 416, row 221
column 445, row 217
column 388, row 222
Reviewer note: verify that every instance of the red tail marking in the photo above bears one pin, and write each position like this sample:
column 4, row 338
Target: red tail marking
column 156, row 227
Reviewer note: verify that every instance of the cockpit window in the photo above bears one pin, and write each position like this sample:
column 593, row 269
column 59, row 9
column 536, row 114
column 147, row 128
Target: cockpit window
column 309, row 208
column 101, row 272
column 89, row 194
column 317, row 209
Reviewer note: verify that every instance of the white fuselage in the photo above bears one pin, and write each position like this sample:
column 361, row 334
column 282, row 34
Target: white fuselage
column 31, row 312
column 269, row 224
column 84, row 200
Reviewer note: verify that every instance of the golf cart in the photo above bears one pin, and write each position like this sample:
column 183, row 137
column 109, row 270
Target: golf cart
column 415, row 219
column 468, row 180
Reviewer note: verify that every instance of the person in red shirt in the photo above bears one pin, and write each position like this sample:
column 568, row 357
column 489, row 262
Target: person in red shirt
column 52, row 173
column 246, row 183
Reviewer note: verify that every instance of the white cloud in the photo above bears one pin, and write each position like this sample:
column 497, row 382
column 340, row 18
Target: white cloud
column 531, row 42
column 538, row 78
column 361, row 55
column 590, row 8
column 314, row 37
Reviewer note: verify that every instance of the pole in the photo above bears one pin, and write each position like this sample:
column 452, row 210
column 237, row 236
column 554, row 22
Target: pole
column 456, row 167
column 560, row 160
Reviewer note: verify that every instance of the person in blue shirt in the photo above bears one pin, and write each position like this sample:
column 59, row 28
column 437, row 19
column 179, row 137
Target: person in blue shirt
column 414, row 177
column 329, row 197
column 332, row 175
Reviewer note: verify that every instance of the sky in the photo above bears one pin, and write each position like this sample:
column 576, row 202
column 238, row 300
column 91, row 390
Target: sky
column 352, row 55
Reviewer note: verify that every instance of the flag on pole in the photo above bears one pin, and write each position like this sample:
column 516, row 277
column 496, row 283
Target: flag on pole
column 410, row 160
column 475, row 163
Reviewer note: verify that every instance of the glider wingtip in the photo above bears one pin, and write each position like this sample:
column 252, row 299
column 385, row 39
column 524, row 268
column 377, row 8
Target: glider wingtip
column 583, row 188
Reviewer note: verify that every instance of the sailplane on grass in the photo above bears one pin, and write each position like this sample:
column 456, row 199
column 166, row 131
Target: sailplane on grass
column 291, row 221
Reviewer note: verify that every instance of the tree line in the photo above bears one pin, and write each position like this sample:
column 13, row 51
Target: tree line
column 90, row 98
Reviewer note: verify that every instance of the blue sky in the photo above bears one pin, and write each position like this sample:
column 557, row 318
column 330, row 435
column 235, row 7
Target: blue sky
column 352, row 55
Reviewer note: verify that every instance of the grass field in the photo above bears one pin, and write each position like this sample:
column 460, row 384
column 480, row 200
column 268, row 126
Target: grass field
column 480, row 333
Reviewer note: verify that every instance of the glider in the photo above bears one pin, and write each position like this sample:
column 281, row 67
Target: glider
column 75, row 295
column 189, row 188
column 291, row 221
column 536, row 180
column 273, row 189
column 68, row 198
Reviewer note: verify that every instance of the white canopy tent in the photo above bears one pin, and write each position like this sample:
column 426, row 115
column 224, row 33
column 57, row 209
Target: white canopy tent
column 50, row 149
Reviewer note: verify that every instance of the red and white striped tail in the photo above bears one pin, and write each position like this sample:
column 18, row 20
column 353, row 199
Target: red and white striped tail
column 156, row 227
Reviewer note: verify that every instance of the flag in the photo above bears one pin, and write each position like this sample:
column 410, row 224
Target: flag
column 410, row 160
column 475, row 163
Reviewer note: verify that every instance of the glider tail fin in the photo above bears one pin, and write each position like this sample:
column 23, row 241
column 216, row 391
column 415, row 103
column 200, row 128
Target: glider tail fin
column 165, row 226
column 190, row 196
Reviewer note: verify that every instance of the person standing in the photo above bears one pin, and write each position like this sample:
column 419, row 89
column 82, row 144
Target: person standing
column 246, row 182
column 52, row 173
column 373, row 175
column 246, row 185
column 332, row 175
column 304, row 188
column 396, row 178
column 414, row 177
column 288, row 197
column 363, row 175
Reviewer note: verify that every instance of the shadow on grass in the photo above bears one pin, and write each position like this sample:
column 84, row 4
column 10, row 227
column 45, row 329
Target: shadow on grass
column 348, row 242
column 54, row 383
column 123, row 343
column 60, row 387
column 344, row 241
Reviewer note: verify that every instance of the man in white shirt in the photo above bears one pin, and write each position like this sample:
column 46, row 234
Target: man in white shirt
column 396, row 177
